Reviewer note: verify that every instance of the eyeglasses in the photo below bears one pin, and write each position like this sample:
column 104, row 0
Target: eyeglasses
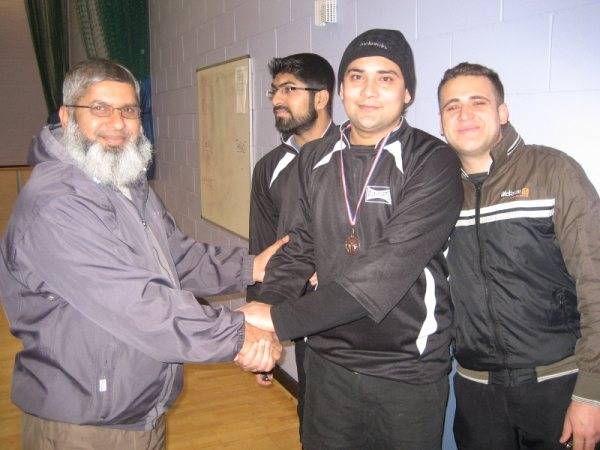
column 104, row 110
column 287, row 90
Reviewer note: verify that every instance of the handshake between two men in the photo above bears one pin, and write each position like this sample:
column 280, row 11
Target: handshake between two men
column 259, row 323
column 261, row 348
column 265, row 349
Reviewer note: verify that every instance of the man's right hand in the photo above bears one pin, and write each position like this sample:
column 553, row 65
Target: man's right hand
column 260, row 351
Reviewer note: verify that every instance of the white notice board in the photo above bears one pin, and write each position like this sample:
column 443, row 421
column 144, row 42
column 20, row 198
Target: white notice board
column 224, row 137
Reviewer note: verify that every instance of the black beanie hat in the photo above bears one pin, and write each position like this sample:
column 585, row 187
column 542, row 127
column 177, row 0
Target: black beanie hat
column 390, row 44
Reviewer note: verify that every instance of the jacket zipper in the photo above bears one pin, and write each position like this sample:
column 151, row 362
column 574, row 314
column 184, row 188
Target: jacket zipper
column 169, row 376
column 488, row 300
column 106, row 380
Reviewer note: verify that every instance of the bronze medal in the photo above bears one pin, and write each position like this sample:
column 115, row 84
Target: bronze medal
column 352, row 244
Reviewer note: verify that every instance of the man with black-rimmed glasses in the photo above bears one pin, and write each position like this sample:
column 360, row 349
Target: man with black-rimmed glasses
column 302, row 95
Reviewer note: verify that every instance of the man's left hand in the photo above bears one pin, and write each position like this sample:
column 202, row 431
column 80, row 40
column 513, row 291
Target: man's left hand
column 582, row 423
column 261, row 260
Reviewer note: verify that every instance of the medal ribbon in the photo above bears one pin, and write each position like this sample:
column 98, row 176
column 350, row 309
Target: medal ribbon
column 352, row 218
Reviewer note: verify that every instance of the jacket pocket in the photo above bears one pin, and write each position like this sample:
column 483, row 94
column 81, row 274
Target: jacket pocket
column 568, row 313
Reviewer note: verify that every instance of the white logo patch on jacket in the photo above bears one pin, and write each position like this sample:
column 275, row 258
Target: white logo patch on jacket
column 378, row 194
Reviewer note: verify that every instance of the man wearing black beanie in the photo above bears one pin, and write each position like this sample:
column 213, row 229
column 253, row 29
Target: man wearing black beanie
column 378, row 201
column 390, row 44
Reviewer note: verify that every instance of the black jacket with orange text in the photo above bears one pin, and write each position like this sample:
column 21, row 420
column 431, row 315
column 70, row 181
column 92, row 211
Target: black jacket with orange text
column 524, row 263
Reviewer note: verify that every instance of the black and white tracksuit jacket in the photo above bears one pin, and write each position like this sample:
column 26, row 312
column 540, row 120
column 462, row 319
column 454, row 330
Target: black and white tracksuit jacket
column 385, row 311
column 274, row 195
column 524, row 263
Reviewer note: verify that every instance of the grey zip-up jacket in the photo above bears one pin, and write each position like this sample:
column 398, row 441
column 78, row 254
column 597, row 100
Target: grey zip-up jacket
column 101, row 291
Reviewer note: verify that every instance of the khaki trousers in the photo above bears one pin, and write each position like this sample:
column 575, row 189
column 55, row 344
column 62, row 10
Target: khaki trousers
column 40, row 434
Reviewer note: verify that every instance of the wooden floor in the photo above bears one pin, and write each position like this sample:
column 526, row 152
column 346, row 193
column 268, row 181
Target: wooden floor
column 10, row 416
column 220, row 408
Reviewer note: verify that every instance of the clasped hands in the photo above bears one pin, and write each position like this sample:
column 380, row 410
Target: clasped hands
column 261, row 348
column 262, row 354
column 260, row 351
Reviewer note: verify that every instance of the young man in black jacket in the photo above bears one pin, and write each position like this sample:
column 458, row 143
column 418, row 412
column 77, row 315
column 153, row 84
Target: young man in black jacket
column 302, row 97
column 377, row 203
column 524, row 262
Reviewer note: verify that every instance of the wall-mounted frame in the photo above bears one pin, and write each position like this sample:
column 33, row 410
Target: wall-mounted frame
column 224, row 143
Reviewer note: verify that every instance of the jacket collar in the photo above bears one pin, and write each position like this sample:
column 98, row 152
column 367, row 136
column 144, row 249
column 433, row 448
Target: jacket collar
column 501, row 153
column 288, row 139
column 397, row 134
column 394, row 144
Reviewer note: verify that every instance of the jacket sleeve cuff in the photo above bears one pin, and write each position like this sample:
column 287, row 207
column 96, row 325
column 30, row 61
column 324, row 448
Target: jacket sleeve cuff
column 317, row 311
column 270, row 297
column 240, row 339
column 252, row 292
column 248, row 270
column 587, row 388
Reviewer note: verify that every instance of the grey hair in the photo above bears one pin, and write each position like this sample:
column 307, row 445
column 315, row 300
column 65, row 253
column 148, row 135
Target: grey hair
column 83, row 75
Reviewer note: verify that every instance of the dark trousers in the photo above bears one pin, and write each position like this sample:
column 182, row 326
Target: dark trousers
column 346, row 410
column 496, row 417
column 300, row 349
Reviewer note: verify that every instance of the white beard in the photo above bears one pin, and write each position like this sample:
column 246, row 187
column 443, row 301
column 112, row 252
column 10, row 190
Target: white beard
column 119, row 167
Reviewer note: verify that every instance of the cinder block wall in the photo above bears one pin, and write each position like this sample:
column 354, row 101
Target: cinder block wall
column 546, row 51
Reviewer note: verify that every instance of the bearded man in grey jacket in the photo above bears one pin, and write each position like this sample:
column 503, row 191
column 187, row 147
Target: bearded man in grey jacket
column 99, row 283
